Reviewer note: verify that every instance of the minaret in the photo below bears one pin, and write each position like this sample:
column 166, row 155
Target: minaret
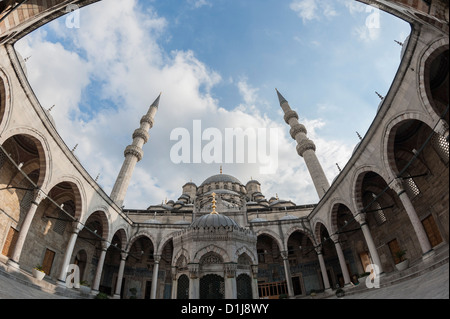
column 305, row 147
column 133, row 154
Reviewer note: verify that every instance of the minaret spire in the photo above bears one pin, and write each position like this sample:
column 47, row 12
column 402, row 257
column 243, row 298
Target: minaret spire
column 133, row 154
column 305, row 147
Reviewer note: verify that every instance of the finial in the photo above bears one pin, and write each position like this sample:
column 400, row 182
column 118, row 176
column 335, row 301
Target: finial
column 399, row 43
column 220, row 169
column 280, row 98
column 165, row 202
column 73, row 150
column 51, row 108
column 27, row 58
column 338, row 167
column 380, row 96
column 360, row 138
column 156, row 102
column 96, row 179
column 277, row 196
column 214, row 205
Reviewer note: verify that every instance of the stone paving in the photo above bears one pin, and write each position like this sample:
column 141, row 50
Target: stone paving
column 430, row 285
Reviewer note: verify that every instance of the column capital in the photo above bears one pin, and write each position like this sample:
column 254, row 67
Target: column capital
column 442, row 128
column 38, row 196
column 335, row 238
column 193, row 270
column 284, row 254
column 361, row 218
column 318, row 250
column 230, row 269
column 157, row 258
column 255, row 271
column 397, row 186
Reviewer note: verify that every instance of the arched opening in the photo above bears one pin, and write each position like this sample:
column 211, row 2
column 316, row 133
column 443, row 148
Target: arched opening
column 304, row 265
column 22, row 168
column 81, row 261
column 164, row 288
column 271, row 276
column 137, row 279
column 419, row 164
column 183, row 287
column 244, row 287
column 212, row 286
column 437, row 82
column 112, row 263
column 2, row 100
column 346, row 229
column 328, row 250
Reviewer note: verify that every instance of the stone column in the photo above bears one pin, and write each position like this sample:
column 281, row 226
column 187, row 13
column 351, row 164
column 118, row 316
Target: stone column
column 174, row 283
column 155, row 277
column 98, row 274
column 255, row 288
column 287, row 272
column 230, row 281
column 194, row 281
column 323, row 269
column 361, row 219
column 68, row 254
column 341, row 257
column 123, row 258
column 24, row 228
column 424, row 243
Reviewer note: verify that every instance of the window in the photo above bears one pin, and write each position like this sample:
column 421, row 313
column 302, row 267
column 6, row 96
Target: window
column 440, row 145
column 411, row 187
column 379, row 215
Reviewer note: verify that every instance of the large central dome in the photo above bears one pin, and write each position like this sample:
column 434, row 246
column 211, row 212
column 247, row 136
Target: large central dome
column 224, row 178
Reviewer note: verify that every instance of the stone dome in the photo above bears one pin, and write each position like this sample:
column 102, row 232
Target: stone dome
column 224, row 178
column 214, row 220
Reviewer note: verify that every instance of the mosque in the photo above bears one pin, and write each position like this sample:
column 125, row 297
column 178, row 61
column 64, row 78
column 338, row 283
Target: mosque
column 223, row 238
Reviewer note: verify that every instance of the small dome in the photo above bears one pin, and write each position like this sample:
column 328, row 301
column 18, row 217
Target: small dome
column 214, row 220
column 221, row 178
column 253, row 181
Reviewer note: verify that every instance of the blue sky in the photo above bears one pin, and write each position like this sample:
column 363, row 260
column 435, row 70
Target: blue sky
column 217, row 61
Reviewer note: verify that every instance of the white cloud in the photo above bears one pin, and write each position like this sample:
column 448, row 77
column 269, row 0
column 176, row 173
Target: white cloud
column 313, row 9
column 199, row 3
column 118, row 51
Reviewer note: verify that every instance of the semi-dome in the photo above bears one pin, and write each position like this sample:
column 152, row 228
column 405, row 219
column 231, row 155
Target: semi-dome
column 224, row 178
column 214, row 220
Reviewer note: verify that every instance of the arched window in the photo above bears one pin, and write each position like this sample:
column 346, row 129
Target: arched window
column 440, row 145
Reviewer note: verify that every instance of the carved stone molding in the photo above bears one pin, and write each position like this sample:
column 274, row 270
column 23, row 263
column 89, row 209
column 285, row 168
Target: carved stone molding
column 142, row 134
column 135, row 151
column 298, row 128
column 305, row 146
column 289, row 115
